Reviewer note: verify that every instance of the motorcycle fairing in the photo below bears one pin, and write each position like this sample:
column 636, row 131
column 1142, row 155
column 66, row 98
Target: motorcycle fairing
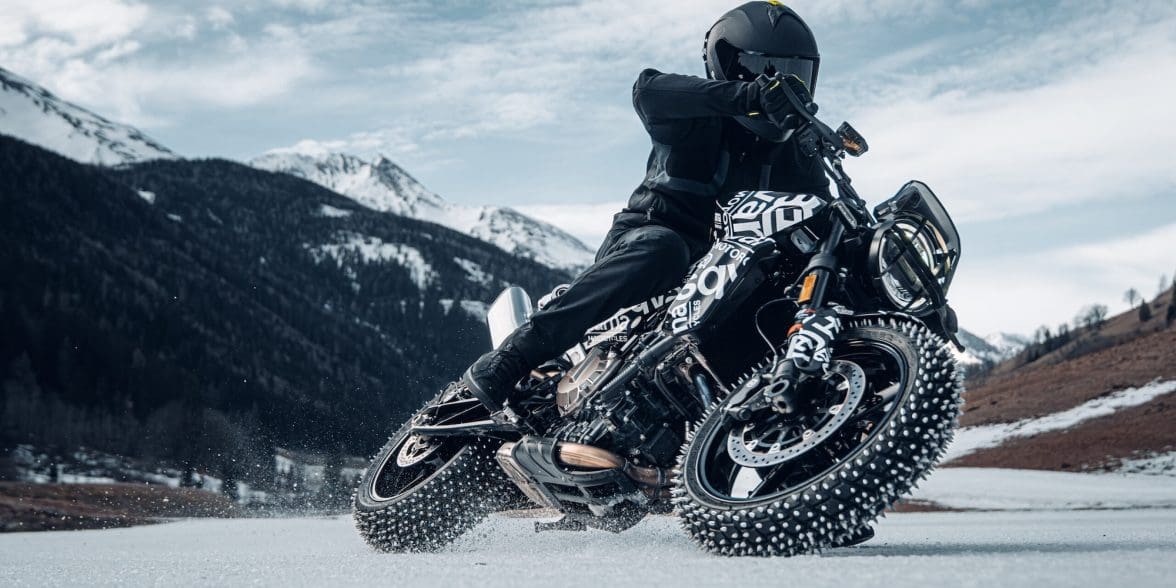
column 766, row 213
column 620, row 326
column 729, row 270
column 751, row 224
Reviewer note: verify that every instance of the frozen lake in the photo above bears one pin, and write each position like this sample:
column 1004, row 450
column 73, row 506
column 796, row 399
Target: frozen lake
column 1135, row 547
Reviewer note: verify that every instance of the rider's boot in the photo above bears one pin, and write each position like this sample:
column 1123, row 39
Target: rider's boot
column 492, row 378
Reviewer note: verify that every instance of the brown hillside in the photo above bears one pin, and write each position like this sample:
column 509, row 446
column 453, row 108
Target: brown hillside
column 1094, row 444
column 50, row 507
column 1121, row 354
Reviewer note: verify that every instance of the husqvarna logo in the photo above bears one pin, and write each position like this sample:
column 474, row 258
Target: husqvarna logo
column 712, row 281
column 767, row 213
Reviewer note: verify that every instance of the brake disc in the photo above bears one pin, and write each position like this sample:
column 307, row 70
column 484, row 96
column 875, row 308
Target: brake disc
column 759, row 444
column 415, row 449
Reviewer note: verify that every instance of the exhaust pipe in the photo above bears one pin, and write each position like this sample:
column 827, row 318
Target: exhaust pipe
column 577, row 455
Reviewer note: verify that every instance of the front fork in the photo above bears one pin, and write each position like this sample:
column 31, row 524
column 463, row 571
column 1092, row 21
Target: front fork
column 810, row 339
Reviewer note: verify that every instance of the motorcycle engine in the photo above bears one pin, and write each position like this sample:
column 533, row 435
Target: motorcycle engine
column 637, row 421
column 581, row 380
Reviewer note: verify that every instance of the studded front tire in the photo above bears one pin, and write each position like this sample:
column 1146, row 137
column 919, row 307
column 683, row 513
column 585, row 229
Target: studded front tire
column 423, row 497
column 863, row 474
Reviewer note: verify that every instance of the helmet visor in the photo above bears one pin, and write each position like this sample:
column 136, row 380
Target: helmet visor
column 748, row 66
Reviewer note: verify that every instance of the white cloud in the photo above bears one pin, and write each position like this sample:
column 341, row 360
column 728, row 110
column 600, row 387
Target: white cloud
column 105, row 55
column 219, row 17
column 117, row 51
column 388, row 142
column 1027, row 127
column 81, row 25
column 1021, row 292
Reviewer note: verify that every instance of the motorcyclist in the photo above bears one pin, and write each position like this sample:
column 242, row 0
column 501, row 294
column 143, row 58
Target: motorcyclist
column 711, row 138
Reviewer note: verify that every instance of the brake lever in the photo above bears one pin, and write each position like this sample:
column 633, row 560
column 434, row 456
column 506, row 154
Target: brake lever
column 815, row 136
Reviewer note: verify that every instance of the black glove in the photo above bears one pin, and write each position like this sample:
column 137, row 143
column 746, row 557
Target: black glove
column 773, row 98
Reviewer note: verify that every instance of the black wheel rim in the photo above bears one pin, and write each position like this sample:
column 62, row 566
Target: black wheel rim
column 414, row 459
column 726, row 481
column 392, row 480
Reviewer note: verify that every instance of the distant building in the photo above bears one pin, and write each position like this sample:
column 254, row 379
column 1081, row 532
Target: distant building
column 300, row 472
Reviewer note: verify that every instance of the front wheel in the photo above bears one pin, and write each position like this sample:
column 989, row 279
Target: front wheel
column 420, row 494
column 793, row 484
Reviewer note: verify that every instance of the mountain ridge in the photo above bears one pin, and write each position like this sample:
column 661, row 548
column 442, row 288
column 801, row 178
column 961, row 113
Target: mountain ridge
column 228, row 298
column 382, row 185
column 30, row 112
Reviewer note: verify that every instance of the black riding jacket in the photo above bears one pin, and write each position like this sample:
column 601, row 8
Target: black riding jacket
column 701, row 154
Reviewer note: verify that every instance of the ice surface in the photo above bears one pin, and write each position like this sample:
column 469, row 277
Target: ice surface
column 984, row 549
column 970, row 439
column 1008, row 489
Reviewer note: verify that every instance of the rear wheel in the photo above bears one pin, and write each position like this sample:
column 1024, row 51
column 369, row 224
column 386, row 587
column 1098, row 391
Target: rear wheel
column 785, row 485
column 420, row 494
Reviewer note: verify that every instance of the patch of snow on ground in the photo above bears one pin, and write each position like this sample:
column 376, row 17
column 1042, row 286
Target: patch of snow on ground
column 971, row 439
column 474, row 272
column 983, row 549
column 1008, row 489
column 474, row 308
column 331, row 212
column 373, row 249
column 148, row 196
column 1159, row 464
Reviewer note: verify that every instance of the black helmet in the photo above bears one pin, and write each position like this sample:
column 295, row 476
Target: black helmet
column 761, row 38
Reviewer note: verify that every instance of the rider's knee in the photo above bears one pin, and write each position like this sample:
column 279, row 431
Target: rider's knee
column 665, row 253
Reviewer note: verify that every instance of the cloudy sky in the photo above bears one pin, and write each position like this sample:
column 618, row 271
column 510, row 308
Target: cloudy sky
column 1046, row 127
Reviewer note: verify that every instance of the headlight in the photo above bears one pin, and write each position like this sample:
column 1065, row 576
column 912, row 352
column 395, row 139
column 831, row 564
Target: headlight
column 911, row 264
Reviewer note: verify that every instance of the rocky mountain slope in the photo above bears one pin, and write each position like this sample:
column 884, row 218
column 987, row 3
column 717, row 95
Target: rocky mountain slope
column 1094, row 398
column 382, row 185
column 185, row 309
column 32, row 113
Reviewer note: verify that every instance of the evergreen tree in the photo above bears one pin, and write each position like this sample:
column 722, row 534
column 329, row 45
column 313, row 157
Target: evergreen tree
column 1144, row 312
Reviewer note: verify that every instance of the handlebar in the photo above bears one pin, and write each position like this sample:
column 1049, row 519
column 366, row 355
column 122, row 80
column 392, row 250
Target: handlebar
column 817, row 139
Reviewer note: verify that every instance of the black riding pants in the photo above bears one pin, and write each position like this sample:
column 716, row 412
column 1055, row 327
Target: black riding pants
column 636, row 262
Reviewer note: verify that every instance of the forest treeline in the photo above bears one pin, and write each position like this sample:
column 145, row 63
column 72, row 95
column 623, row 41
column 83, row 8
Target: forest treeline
column 184, row 311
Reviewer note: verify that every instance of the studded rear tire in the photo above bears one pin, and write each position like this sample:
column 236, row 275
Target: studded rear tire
column 888, row 461
column 456, row 488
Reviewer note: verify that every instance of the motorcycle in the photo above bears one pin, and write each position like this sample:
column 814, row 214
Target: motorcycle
column 795, row 385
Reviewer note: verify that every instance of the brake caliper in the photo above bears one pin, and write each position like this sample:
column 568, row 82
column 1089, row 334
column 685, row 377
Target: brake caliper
column 810, row 350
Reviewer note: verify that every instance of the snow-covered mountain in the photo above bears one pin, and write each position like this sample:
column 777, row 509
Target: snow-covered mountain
column 382, row 185
column 33, row 114
column 992, row 348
